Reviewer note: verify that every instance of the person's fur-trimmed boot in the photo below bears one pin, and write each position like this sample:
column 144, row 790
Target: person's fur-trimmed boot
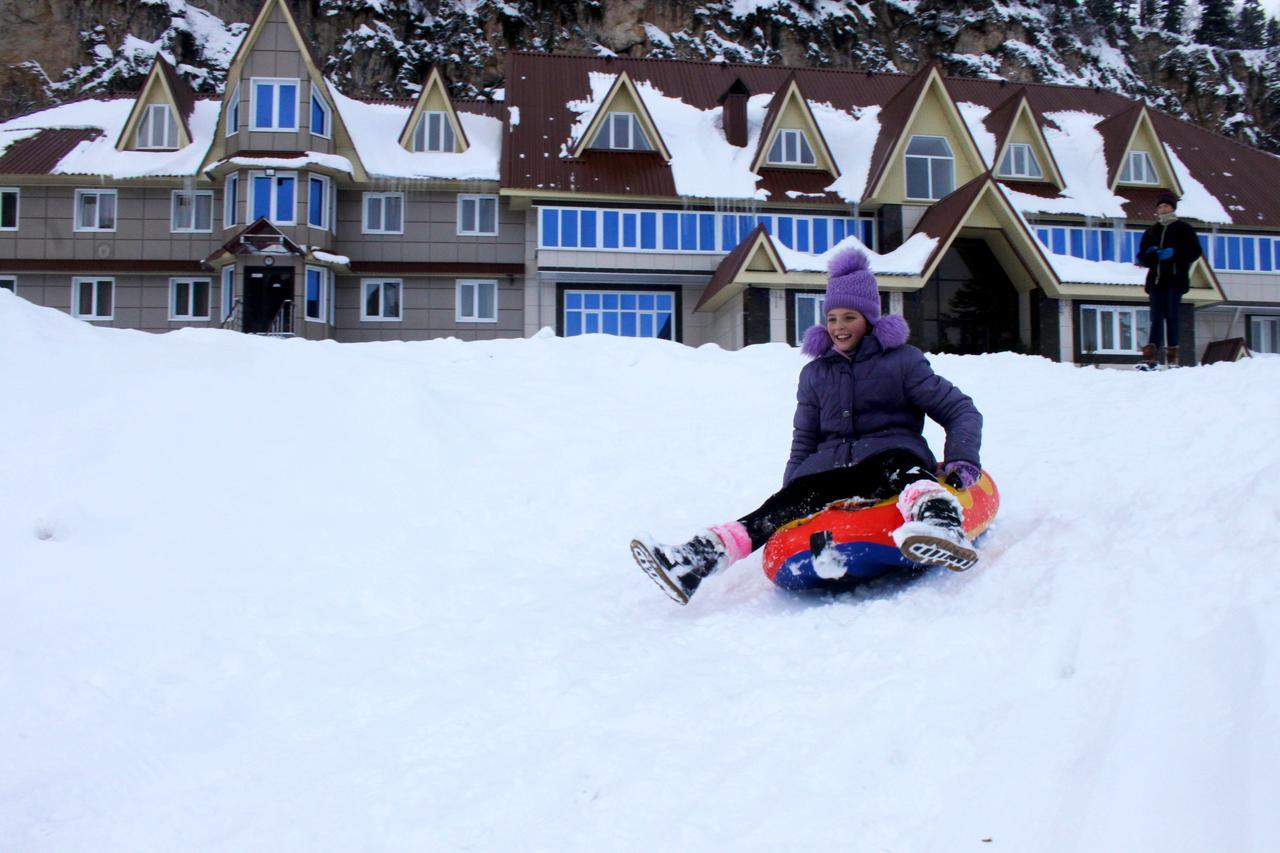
column 933, row 533
column 680, row 569
column 1171, row 356
column 1150, row 352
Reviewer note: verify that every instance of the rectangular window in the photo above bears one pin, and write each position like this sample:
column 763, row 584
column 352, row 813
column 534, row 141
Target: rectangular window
column 384, row 213
column 622, row 132
column 630, row 313
column 157, row 128
column 191, row 211
column 477, row 301
column 1264, row 334
column 670, row 231
column 380, row 300
column 233, row 112
column 228, row 290
column 648, row 230
column 1139, row 168
column 587, row 230
column 188, row 299
column 9, row 283
column 791, row 148
column 93, row 298
column 321, row 114
column 1113, row 329
column 275, row 105
column 569, row 228
column 318, row 201
column 808, row 313
column 95, row 210
column 316, row 295
column 231, row 201
column 9, row 208
column 930, row 167
column 274, row 197
column 550, row 227
column 434, row 132
column 1020, row 162
column 477, row 215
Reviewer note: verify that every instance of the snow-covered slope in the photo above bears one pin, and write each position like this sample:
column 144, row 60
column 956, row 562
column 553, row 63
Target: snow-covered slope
column 277, row 595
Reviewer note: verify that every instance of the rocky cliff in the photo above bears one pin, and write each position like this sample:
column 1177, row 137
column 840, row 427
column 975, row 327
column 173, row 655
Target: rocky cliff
column 56, row 49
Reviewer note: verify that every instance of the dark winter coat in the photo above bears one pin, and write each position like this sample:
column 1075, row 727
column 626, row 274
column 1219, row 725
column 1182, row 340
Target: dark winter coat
column 1176, row 271
column 850, row 408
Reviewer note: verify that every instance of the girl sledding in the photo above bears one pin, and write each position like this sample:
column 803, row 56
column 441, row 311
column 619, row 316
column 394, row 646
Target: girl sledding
column 859, row 435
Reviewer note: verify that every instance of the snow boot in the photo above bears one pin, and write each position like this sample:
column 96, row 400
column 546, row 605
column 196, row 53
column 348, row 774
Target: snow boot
column 1149, row 354
column 680, row 569
column 1171, row 356
column 933, row 533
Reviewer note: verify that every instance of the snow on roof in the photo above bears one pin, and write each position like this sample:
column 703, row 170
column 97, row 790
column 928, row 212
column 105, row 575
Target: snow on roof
column 375, row 130
column 1196, row 201
column 1080, row 271
column 851, row 137
column 309, row 158
column 974, row 115
column 907, row 259
column 99, row 156
column 1077, row 146
column 8, row 137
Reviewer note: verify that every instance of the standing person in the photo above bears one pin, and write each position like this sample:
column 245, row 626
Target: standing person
column 859, row 424
column 1168, row 249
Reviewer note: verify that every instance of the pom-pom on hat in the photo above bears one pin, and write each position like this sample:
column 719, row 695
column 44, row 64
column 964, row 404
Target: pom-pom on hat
column 850, row 284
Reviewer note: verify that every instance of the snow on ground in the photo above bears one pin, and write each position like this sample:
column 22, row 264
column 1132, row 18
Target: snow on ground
column 278, row 595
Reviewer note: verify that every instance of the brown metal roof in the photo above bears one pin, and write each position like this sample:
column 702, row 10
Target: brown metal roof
column 943, row 219
column 810, row 184
column 39, row 154
column 1000, row 120
column 183, row 96
column 730, row 265
column 893, row 122
column 1116, row 131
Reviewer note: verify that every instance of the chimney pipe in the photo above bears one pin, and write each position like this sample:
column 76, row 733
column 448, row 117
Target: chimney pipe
column 733, row 113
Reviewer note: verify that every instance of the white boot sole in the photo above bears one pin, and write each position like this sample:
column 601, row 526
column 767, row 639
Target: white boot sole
column 649, row 563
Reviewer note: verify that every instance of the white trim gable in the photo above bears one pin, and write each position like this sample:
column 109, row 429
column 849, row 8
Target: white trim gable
column 622, row 84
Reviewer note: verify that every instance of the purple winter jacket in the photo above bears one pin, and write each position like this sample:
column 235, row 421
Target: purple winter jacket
column 848, row 409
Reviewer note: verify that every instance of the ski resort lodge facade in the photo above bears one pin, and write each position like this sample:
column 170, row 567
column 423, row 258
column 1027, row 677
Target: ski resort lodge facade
column 692, row 201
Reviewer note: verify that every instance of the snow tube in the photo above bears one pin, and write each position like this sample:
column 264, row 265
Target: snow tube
column 849, row 543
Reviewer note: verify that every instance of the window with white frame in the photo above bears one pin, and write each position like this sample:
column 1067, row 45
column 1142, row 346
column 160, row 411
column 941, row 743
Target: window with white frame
column 9, row 283
column 622, row 132
column 9, row 208
column 384, row 213
column 477, row 215
column 274, row 197
column 1139, row 168
column 434, row 132
column 231, row 200
column 808, row 313
column 95, row 210
column 321, row 114
column 380, row 299
column 233, row 112
column 791, row 148
column 188, row 299
column 628, row 313
column 1113, row 329
column 157, row 128
column 318, row 189
column 274, row 104
column 930, row 167
column 1264, row 334
column 477, row 301
column 93, row 298
column 317, row 294
column 1020, row 161
column 228, row 290
column 192, row 211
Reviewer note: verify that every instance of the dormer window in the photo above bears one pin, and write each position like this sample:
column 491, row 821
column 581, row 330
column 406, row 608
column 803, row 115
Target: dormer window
column 434, row 132
column 233, row 112
column 275, row 105
column 321, row 114
column 157, row 128
column 791, row 148
column 622, row 132
column 1139, row 169
column 931, row 168
column 1020, row 162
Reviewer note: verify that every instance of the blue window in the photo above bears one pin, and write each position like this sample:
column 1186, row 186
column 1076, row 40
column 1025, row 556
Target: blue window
column 284, row 199
column 671, row 231
column 707, row 232
column 819, row 236
column 320, row 113
column 1220, row 252
column 786, row 231
column 1233, row 253
column 767, row 222
column 1108, row 240
column 802, row 235
column 745, row 224
column 587, row 235
column 1059, row 238
column 837, row 230
column 1249, row 262
column 728, row 233
column 1264, row 255
column 1091, row 244
column 611, row 229
column 629, row 231
column 1204, row 243
column 648, row 230
column 315, row 294
column 1043, row 234
column 550, row 227
column 261, row 197
column 275, row 105
column 1077, row 243
column 869, row 233
column 569, row 228
column 689, row 232
column 318, row 202
column 647, row 314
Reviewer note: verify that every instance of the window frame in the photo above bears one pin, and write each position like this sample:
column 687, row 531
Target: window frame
column 1100, row 310
column 174, row 316
column 381, row 283
column 227, row 295
column 566, row 294
column 275, row 196
column 460, row 315
column 98, row 194
column 276, row 83
column 1148, row 162
column 16, row 192
column 802, row 145
column 196, row 195
column 818, row 298
column 79, row 281
column 1272, row 320
column 928, row 158
column 1029, row 159
column 318, row 99
column 13, row 280
column 477, row 198
column 422, row 134
column 322, row 299
column 326, row 220
column 365, row 198
column 231, row 200
column 231, row 125
column 635, row 132
column 147, row 122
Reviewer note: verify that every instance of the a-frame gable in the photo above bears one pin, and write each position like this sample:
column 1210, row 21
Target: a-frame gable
column 1132, row 130
column 623, row 96
column 1016, row 121
column 933, row 112
column 756, row 254
column 342, row 142
column 163, row 86
column 434, row 97
column 790, row 111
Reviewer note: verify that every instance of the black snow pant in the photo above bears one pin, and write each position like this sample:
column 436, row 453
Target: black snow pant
column 874, row 478
column 1164, row 302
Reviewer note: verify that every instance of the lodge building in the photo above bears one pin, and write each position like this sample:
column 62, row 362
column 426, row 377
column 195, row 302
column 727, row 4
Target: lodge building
column 692, row 201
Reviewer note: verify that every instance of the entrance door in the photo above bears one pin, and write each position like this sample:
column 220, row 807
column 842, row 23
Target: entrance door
column 265, row 290
column 969, row 305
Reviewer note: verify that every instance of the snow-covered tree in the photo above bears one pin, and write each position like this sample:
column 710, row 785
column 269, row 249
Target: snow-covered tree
column 1251, row 34
column 1175, row 12
column 1216, row 23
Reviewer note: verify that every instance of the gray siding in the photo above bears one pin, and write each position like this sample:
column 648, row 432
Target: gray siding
column 430, row 232
column 428, row 310
column 141, row 301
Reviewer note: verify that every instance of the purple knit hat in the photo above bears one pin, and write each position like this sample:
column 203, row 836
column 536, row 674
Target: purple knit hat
column 850, row 284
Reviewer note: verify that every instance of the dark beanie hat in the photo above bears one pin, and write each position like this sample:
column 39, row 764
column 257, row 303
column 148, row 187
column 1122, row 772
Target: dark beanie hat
column 1167, row 198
